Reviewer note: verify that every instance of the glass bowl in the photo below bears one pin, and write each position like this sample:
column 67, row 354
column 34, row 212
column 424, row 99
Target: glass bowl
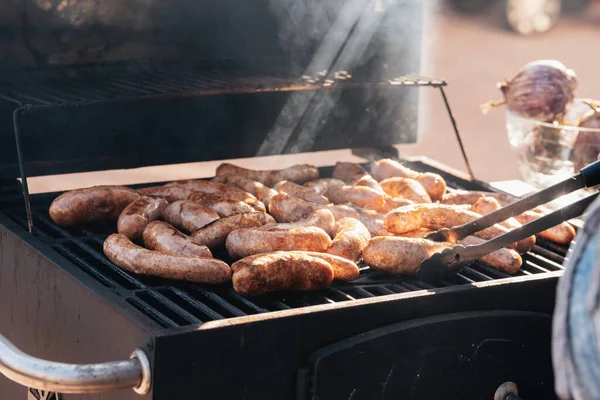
column 548, row 153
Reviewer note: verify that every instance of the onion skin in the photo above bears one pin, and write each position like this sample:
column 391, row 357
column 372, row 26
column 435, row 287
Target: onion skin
column 541, row 90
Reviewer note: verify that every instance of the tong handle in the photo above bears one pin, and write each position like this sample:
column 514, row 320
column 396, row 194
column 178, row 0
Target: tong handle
column 539, row 225
column 588, row 176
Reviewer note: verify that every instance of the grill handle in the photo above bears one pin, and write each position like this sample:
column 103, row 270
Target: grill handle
column 75, row 378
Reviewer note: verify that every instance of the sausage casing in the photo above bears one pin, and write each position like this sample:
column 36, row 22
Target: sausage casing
column 405, row 188
column 222, row 205
column 96, row 203
column 188, row 215
column 262, row 192
column 215, row 234
column 505, row 260
column 433, row 183
column 350, row 239
column 137, row 215
column 343, row 269
column 301, row 192
column 400, row 255
column 131, row 257
column 220, row 189
column 322, row 218
column 296, row 173
column 283, row 270
column 563, row 233
column 170, row 193
column 321, row 185
column 165, row 238
column 361, row 196
column 265, row 239
column 356, row 175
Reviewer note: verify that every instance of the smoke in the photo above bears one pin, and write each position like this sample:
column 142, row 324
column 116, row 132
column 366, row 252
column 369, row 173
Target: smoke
column 346, row 35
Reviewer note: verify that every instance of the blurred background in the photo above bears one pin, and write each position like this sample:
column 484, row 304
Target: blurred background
column 471, row 45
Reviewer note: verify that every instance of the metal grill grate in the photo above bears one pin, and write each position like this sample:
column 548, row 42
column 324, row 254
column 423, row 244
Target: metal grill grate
column 171, row 303
column 94, row 84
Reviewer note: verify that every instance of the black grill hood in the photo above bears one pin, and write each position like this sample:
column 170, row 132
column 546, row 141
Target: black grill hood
column 218, row 80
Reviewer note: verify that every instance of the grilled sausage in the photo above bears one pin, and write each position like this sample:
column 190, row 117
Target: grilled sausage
column 505, row 260
column 433, row 183
column 361, row 196
column 373, row 221
column 354, row 174
column 419, row 233
column 301, row 192
column 486, row 205
column 405, row 188
column 188, row 215
column 296, row 173
column 281, row 270
column 215, row 234
column 265, row 239
column 470, row 197
column 167, row 239
column 400, row 255
column 127, row 255
column 220, row 189
column 350, row 239
column 170, row 193
column 137, row 215
column 392, row 203
column 563, row 233
column 222, row 205
column 286, row 208
column 91, row 204
column 323, row 219
column 321, row 185
column 262, row 192
column 343, row 269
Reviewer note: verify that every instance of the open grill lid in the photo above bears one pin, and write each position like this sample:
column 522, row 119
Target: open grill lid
column 241, row 80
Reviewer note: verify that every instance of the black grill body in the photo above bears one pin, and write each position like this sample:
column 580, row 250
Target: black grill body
column 213, row 343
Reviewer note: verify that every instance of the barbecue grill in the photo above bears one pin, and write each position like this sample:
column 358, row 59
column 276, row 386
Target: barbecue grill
column 380, row 336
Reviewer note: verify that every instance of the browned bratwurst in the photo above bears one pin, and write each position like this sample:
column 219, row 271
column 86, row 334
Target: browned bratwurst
column 188, row 215
column 321, row 185
column 373, row 221
column 433, row 183
column 343, row 269
column 505, row 260
column 400, row 255
column 262, row 192
column 350, row 239
column 265, row 239
column 222, row 205
column 170, row 193
column 91, row 204
column 470, row 197
column 405, row 188
column 215, row 234
column 282, row 270
column 296, row 173
column 361, row 196
column 203, row 186
column 301, row 192
column 486, row 205
column 323, row 219
column 563, row 233
column 166, row 238
column 137, row 215
column 127, row 255
column 286, row 208
column 354, row 174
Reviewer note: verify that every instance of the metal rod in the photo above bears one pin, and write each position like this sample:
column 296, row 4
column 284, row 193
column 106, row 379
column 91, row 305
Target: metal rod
column 457, row 133
column 24, row 186
column 74, row 378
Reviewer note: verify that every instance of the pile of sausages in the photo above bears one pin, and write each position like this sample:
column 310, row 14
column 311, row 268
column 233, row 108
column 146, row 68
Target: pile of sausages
column 289, row 229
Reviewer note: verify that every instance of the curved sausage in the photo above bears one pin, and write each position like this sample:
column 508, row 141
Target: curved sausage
column 127, row 255
column 505, row 260
column 373, row 221
column 167, row 239
column 137, row 215
column 262, row 192
column 486, row 205
column 296, row 173
column 354, row 174
column 96, row 203
column 188, row 215
column 220, row 189
column 361, row 196
column 405, row 188
column 215, row 234
column 400, row 255
column 301, row 192
column 563, row 233
column 222, row 205
column 392, row 203
column 286, row 208
column 170, row 193
column 433, row 183
column 350, row 239
column 282, row 270
column 321, row 185
column 323, row 219
column 343, row 269
column 265, row 239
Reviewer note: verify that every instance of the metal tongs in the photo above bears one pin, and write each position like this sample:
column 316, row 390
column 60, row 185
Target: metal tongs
column 453, row 260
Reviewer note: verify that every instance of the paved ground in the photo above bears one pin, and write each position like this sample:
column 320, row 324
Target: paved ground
column 472, row 54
